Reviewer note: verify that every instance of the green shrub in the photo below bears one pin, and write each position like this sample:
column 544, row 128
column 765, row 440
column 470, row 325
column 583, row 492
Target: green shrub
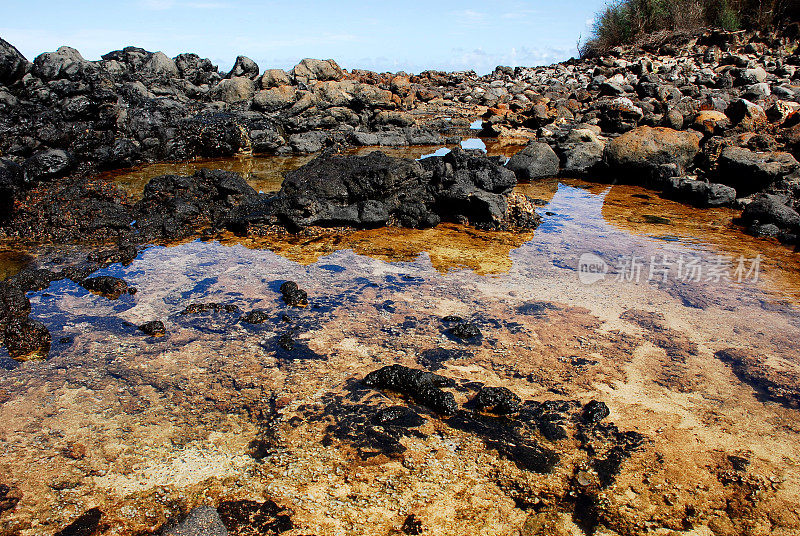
column 630, row 21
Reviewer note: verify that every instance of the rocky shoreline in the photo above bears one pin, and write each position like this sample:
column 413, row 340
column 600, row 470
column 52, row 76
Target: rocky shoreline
column 711, row 119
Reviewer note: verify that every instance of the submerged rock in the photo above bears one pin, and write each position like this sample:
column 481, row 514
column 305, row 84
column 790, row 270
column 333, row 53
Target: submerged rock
column 250, row 518
column 154, row 328
column 256, row 316
column 86, row 524
column 498, row 400
column 108, row 286
column 770, row 383
column 26, row 338
column 293, row 295
column 203, row 520
column 465, row 330
column 199, row 308
column 422, row 386
column 9, row 497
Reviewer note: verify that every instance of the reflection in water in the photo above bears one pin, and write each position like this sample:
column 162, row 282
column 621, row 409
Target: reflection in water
column 265, row 173
column 448, row 246
column 12, row 261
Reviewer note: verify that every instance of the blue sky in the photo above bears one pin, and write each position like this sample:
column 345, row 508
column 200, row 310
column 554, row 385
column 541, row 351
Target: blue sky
column 410, row 35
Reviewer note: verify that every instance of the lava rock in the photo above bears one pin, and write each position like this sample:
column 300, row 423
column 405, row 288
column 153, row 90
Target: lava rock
column 26, row 338
column 465, row 330
column 13, row 64
column 200, row 308
column 245, row 518
column 293, row 295
column 48, row 164
column 106, row 285
column 244, row 66
column 203, row 520
column 498, row 400
column 770, row 209
column 594, row 412
column 399, row 416
column 749, row 171
column 9, row 497
column 256, row 316
column 424, row 387
column 86, row 524
column 154, row 328
column 646, row 148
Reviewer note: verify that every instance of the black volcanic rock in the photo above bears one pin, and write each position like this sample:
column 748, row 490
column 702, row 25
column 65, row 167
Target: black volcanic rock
column 376, row 190
column 13, row 64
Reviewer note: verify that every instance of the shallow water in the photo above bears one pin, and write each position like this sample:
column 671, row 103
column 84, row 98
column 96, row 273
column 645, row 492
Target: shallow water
column 146, row 427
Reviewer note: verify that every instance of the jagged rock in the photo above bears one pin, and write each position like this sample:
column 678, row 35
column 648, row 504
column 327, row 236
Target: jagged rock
column 159, row 65
column 244, row 66
column 770, row 383
column 154, row 328
column 27, row 339
column 173, row 206
column 498, row 400
column 293, row 295
column 13, row 64
column 535, row 161
column 201, row 521
column 106, row 285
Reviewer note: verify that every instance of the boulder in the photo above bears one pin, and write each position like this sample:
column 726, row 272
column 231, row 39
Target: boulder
column 770, row 209
column 49, row 164
column 275, row 98
column 159, row 65
column 275, row 78
column 699, row 193
column 311, row 69
column 233, row 90
column 647, row 148
column 749, row 171
column 244, row 66
column 711, row 122
column 13, row 65
column 66, row 62
column 376, row 190
column 195, row 69
column 746, row 114
column 537, row 160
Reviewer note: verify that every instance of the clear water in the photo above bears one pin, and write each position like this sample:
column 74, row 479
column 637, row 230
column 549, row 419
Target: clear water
column 144, row 427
